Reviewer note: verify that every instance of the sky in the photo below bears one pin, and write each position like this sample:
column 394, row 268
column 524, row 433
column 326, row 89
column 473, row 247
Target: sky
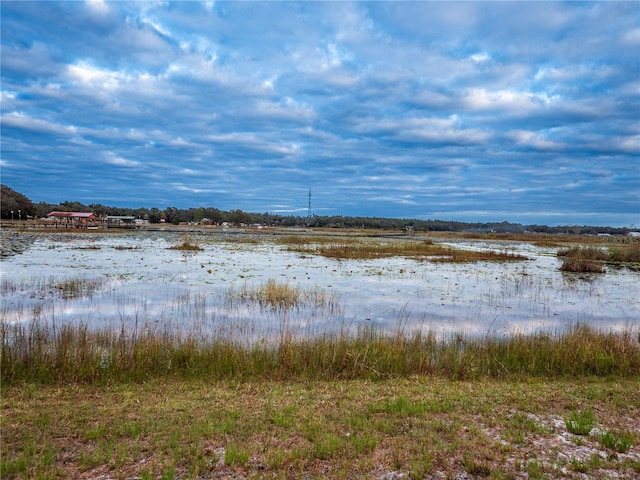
column 527, row 112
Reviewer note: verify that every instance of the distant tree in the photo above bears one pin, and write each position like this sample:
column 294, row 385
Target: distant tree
column 238, row 217
column 43, row 209
column 213, row 214
column 142, row 213
column 99, row 210
column 198, row 214
column 10, row 200
column 185, row 215
column 154, row 215
column 68, row 206
column 171, row 215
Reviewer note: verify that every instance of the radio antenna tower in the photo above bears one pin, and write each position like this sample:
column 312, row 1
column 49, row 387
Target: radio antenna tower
column 309, row 210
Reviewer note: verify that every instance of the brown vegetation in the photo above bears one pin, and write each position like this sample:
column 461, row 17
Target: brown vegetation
column 418, row 250
column 187, row 244
column 592, row 259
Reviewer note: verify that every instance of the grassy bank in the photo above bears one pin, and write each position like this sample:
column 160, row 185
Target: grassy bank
column 78, row 403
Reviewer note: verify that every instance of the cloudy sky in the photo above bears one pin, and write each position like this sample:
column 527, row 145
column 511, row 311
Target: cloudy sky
column 525, row 112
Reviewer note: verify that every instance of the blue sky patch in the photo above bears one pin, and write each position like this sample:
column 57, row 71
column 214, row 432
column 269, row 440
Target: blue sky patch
column 474, row 111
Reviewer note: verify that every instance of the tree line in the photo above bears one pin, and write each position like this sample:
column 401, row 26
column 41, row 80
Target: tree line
column 12, row 201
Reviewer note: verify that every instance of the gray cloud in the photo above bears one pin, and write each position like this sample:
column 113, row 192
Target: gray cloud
column 465, row 110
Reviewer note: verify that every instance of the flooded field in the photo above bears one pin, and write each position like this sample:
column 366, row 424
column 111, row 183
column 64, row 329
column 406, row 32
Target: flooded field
column 252, row 287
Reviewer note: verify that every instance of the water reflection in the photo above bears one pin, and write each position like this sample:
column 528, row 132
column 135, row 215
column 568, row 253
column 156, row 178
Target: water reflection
column 135, row 281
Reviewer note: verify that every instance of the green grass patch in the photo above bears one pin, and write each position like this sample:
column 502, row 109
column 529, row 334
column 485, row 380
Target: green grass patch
column 618, row 441
column 580, row 423
column 235, row 455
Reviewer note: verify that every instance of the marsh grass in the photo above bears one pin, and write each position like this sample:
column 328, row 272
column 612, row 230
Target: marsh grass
column 46, row 353
column 283, row 296
column 587, row 259
column 187, row 244
column 79, row 287
column 593, row 258
column 589, row 252
column 272, row 293
column 294, row 241
column 629, row 253
column 423, row 250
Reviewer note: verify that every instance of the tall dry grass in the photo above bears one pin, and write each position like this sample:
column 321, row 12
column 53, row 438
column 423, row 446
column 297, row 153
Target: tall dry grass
column 283, row 296
column 274, row 294
column 593, row 258
column 424, row 250
column 583, row 259
column 187, row 244
column 37, row 352
column 625, row 253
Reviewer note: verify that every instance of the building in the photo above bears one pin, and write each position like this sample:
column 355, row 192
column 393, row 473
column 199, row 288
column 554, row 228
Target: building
column 120, row 221
column 73, row 219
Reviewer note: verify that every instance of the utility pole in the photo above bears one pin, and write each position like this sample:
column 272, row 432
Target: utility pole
column 309, row 210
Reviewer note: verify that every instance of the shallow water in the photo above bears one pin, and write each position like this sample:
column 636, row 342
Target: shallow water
column 116, row 280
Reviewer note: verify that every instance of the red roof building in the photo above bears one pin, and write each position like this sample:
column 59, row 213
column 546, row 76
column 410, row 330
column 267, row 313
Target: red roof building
column 73, row 219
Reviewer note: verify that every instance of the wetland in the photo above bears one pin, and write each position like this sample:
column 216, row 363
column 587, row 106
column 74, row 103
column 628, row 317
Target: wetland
column 315, row 354
column 335, row 282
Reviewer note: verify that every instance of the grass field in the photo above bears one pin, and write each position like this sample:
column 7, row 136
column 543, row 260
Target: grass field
column 84, row 404
column 413, row 427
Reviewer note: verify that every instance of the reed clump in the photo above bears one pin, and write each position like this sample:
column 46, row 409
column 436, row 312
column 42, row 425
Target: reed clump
column 424, row 250
column 585, row 252
column 187, row 244
column 592, row 259
column 294, row 241
column 37, row 352
column 629, row 253
column 272, row 293
column 282, row 297
column 79, row 287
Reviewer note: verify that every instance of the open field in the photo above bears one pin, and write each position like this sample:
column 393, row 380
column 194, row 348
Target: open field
column 413, row 427
column 247, row 354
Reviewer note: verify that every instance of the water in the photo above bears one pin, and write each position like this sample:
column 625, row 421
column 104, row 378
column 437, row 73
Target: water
column 116, row 280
